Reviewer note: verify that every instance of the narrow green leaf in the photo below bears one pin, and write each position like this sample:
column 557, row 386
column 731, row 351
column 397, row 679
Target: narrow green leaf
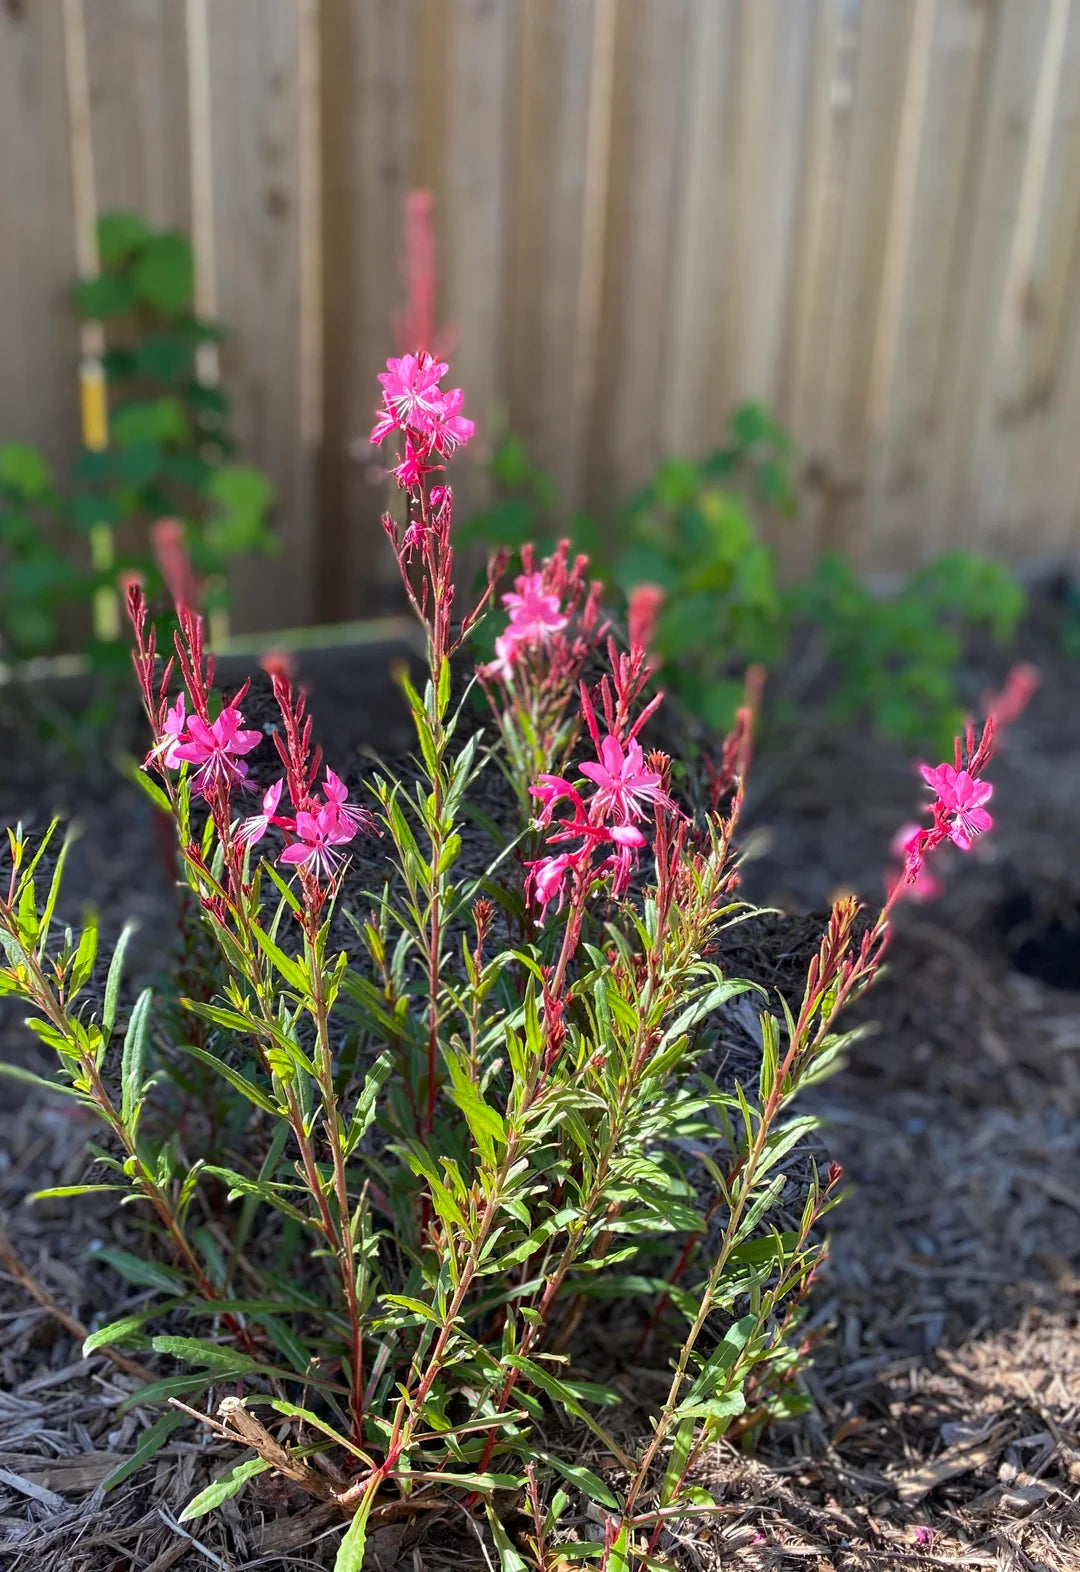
column 585, row 1480
column 124, row 1329
column 212, row 1356
column 292, row 972
column 63, row 1192
column 294, row 1411
column 241, row 1083
column 150, row 1442
column 240, row 1184
column 144, row 1274
column 112, row 981
column 350, row 1556
column 133, row 1063
column 221, row 1488
column 509, row 1558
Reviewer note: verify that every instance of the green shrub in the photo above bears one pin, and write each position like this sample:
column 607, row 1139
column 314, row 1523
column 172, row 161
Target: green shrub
column 169, row 455
column 893, row 658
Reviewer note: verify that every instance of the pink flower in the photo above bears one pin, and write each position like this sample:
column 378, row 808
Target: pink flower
column 319, row 834
column 412, row 468
column 551, row 789
column 217, row 749
column 449, row 428
column 535, row 614
column 411, row 385
column 254, row 828
column 175, row 721
column 623, row 781
column 919, row 883
column 337, row 798
column 961, row 796
column 385, row 422
column 546, row 880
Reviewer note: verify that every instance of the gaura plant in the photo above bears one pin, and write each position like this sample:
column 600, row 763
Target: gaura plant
column 481, row 1095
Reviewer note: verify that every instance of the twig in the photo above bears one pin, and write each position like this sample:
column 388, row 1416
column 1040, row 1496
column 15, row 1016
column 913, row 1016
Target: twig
column 26, row 1279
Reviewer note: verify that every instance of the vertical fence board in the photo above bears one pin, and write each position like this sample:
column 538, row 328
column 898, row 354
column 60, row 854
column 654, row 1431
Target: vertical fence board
column 651, row 64
column 473, row 189
column 547, row 230
column 138, row 96
column 370, row 141
column 254, row 91
column 703, row 305
column 1017, row 491
column 38, row 332
column 885, row 32
column 982, row 264
column 827, row 143
column 916, row 415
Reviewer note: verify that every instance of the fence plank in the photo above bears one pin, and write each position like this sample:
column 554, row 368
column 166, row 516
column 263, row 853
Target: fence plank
column 651, row 64
column 371, row 89
column 138, row 75
column 254, row 89
column 547, row 233
column 916, row 415
column 982, row 265
column 1018, row 493
column 884, row 42
column 38, row 331
column 473, row 209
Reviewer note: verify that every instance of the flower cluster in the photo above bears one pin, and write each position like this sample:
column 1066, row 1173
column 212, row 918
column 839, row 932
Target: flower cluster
column 317, row 832
column 554, row 623
column 627, row 787
column 958, row 812
column 322, row 821
column 429, row 419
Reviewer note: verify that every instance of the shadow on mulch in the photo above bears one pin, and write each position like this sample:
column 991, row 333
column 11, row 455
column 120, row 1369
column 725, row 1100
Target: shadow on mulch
column 946, row 1430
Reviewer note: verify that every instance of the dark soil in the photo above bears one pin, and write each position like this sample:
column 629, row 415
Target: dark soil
column 946, row 1430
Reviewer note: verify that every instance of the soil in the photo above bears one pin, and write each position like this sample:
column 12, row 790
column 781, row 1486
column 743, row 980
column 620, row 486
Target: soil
column 946, row 1426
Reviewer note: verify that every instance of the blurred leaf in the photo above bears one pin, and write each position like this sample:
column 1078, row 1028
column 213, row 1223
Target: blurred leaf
column 163, row 274
column 119, row 234
column 23, row 470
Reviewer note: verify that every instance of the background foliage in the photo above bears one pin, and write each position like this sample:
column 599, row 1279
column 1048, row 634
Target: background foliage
column 170, row 454
column 697, row 530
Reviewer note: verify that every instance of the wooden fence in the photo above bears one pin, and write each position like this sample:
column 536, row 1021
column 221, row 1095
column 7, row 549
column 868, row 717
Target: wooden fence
column 866, row 212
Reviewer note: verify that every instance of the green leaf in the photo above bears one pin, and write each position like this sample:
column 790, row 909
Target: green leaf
column 222, row 1488
column 172, row 1386
column 245, row 1087
column 163, row 275
column 143, row 1274
column 133, row 1063
column 109, row 295
column 118, row 235
column 23, row 470
column 240, row 1184
column 509, row 1558
column 112, row 982
column 211, row 1356
column 585, row 1480
column 65, row 1191
column 293, row 1411
column 292, row 972
column 350, row 1556
column 15, row 1072
column 123, row 1330
column 150, row 1442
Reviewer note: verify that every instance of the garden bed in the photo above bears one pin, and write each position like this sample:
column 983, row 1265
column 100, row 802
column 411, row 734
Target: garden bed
column 947, row 1425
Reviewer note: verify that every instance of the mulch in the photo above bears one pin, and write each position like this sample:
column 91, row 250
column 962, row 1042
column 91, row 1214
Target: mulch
column 946, row 1382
